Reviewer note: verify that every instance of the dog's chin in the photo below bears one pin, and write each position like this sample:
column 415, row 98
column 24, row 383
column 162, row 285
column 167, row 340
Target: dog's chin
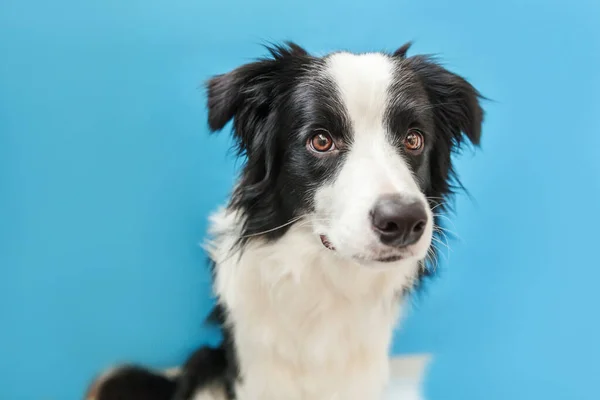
column 386, row 258
column 380, row 261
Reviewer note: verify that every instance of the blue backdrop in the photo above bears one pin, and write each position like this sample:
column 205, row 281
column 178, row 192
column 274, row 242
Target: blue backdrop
column 107, row 175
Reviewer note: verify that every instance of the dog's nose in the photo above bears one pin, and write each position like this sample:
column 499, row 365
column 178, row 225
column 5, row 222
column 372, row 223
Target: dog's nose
column 398, row 221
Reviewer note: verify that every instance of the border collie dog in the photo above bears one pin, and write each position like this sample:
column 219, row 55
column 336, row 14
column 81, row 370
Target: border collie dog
column 348, row 165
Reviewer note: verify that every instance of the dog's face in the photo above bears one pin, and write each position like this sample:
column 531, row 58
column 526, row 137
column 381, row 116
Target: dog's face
column 356, row 146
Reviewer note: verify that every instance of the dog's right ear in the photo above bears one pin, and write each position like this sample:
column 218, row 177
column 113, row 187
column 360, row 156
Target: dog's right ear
column 246, row 95
column 228, row 93
column 223, row 98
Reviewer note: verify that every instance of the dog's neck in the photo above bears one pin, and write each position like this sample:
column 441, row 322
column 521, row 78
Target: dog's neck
column 298, row 308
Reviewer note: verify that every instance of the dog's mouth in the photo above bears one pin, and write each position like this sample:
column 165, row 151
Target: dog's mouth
column 387, row 259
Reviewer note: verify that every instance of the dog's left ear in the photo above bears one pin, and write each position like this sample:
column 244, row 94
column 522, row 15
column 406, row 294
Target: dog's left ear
column 455, row 102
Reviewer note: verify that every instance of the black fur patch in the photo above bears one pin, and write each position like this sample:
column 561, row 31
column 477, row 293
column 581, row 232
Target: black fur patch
column 204, row 367
column 136, row 383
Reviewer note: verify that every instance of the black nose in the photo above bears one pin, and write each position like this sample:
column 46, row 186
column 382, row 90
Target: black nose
column 398, row 221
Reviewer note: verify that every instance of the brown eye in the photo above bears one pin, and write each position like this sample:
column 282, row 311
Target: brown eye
column 414, row 141
column 321, row 142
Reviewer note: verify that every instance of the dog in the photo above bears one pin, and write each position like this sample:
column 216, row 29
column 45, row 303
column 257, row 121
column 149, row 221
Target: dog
column 348, row 167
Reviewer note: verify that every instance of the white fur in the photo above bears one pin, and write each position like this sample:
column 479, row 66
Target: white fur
column 310, row 323
column 214, row 392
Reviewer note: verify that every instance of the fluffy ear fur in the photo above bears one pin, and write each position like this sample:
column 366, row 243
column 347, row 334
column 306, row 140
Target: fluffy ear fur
column 456, row 102
column 247, row 94
column 401, row 52
column 457, row 115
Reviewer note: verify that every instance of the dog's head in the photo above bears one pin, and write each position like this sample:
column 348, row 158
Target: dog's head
column 356, row 146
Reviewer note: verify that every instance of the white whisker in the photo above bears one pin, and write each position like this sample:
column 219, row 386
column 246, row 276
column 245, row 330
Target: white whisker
column 437, row 205
column 290, row 222
column 273, row 229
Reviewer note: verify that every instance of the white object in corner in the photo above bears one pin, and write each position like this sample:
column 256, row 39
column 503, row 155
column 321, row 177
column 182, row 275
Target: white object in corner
column 407, row 375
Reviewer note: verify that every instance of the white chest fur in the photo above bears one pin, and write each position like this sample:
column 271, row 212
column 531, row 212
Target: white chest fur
column 307, row 324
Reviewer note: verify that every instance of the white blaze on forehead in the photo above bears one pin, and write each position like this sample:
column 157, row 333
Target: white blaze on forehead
column 363, row 82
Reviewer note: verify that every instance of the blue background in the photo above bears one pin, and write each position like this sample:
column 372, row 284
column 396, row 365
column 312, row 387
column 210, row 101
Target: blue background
column 107, row 175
